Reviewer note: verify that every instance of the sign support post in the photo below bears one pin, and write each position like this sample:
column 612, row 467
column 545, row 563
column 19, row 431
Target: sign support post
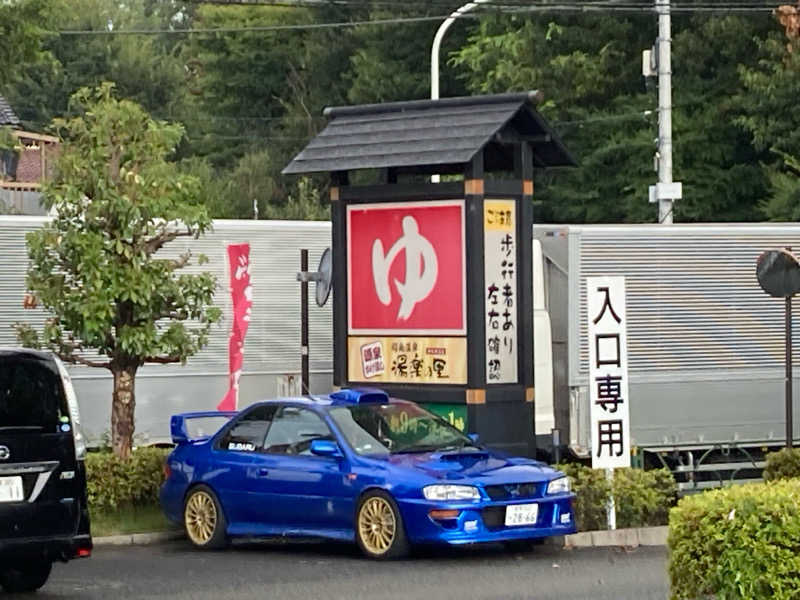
column 611, row 506
column 778, row 273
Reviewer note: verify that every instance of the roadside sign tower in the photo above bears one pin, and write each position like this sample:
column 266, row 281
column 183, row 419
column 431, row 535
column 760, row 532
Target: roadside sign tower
column 433, row 297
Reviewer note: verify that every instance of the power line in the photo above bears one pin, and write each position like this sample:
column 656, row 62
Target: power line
column 504, row 7
column 256, row 28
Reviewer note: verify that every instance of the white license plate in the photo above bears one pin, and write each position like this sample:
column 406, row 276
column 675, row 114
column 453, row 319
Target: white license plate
column 11, row 489
column 521, row 514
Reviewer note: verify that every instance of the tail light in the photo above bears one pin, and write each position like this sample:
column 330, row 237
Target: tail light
column 167, row 470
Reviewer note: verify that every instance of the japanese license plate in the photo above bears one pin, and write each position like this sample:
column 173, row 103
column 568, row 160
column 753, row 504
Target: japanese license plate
column 521, row 514
column 11, row 489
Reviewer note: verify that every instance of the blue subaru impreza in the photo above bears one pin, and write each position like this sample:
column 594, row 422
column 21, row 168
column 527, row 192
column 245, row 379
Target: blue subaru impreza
column 358, row 466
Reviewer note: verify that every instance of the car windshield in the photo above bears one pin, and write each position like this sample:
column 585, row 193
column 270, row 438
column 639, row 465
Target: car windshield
column 399, row 427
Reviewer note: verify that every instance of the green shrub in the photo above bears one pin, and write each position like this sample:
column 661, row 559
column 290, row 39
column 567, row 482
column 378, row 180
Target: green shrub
column 783, row 464
column 737, row 542
column 113, row 483
column 642, row 498
column 592, row 491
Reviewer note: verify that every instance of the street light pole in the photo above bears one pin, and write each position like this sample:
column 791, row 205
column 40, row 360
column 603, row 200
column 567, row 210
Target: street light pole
column 437, row 42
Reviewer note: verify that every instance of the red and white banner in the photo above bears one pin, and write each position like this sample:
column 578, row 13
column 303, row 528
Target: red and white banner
column 242, row 297
column 406, row 268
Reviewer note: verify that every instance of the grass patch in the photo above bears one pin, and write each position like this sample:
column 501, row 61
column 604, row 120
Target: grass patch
column 129, row 519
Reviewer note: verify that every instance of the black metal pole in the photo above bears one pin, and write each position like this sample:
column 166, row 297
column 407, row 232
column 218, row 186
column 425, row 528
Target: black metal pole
column 304, row 322
column 789, row 372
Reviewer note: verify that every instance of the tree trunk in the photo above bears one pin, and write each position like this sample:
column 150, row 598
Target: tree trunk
column 124, row 402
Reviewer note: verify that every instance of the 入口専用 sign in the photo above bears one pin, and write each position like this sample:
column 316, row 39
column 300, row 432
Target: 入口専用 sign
column 608, row 372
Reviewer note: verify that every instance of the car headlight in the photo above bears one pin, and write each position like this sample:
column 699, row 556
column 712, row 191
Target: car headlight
column 450, row 492
column 558, row 486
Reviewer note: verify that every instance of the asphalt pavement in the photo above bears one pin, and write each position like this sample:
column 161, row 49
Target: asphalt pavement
column 315, row 571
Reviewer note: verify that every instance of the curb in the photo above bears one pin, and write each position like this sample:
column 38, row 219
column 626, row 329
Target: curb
column 137, row 539
column 629, row 538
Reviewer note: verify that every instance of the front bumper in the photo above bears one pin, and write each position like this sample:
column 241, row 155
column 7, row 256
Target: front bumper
column 484, row 521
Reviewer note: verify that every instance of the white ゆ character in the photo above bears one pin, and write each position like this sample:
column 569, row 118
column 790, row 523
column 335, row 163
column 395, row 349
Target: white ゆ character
column 422, row 268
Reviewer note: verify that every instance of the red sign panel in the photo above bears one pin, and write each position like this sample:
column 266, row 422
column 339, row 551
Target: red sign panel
column 405, row 268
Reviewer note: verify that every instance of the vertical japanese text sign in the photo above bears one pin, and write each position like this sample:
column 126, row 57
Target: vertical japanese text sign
column 608, row 372
column 500, row 270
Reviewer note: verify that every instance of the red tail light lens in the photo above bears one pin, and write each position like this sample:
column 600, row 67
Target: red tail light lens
column 167, row 471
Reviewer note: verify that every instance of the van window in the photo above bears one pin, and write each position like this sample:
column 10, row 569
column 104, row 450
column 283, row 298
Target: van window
column 31, row 394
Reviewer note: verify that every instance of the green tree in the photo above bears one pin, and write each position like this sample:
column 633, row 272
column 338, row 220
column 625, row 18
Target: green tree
column 238, row 78
column 770, row 100
column 585, row 66
column 145, row 69
column 96, row 266
column 392, row 62
column 713, row 155
column 589, row 69
column 23, row 28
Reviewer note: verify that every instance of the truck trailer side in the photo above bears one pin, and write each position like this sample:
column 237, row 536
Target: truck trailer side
column 706, row 344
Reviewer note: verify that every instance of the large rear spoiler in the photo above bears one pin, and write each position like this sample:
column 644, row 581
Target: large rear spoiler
column 180, row 431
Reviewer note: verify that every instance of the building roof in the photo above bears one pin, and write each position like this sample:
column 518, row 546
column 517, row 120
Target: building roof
column 437, row 136
column 7, row 114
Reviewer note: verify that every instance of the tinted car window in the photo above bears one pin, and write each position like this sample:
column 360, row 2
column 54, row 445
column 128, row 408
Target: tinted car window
column 396, row 427
column 247, row 433
column 31, row 394
column 293, row 429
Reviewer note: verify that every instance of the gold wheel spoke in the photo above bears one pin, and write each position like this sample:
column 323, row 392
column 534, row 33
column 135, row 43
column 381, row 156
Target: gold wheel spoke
column 201, row 517
column 377, row 525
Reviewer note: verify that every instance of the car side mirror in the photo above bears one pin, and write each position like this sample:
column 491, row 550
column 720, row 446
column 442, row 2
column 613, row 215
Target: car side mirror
column 325, row 448
column 474, row 437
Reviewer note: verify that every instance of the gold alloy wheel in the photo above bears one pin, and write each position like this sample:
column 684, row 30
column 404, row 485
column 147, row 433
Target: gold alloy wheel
column 377, row 525
column 200, row 517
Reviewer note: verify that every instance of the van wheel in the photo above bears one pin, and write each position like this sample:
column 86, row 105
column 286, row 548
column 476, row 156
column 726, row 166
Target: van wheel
column 379, row 527
column 204, row 520
column 26, row 577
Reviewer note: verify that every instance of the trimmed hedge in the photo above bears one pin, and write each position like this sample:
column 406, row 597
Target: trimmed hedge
column 642, row 498
column 113, row 483
column 783, row 464
column 737, row 542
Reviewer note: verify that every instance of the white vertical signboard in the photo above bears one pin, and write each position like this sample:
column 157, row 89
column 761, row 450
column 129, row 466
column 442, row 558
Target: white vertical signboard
column 500, row 271
column 608, row 372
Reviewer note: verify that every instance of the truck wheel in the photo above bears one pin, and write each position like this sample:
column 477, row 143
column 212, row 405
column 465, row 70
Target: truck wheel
column 204, row 520
column 27, row 577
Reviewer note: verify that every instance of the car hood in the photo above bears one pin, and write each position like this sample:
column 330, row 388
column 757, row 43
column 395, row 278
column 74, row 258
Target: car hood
column 484, row 467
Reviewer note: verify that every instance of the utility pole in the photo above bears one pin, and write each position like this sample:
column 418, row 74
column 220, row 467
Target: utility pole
column 665, row 192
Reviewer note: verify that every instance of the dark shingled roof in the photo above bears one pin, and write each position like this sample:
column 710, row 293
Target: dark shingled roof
column 441, row 134
column 7, row 115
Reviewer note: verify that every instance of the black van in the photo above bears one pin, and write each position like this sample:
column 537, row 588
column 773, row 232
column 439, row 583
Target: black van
column 44, row 515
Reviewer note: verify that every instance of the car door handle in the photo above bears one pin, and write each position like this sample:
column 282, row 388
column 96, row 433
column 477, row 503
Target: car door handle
column 263, row 472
